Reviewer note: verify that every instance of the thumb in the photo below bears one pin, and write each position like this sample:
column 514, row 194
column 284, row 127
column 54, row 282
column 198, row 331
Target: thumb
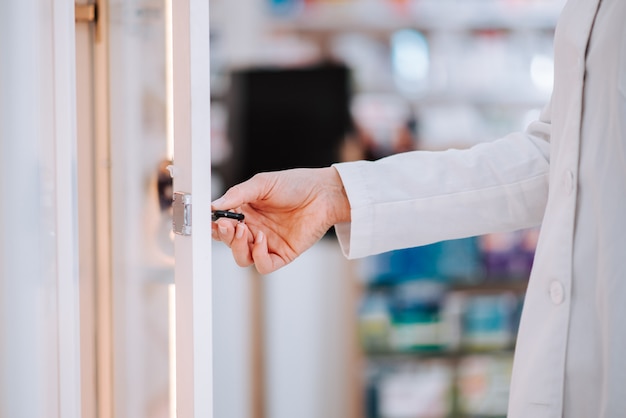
column 238, row 195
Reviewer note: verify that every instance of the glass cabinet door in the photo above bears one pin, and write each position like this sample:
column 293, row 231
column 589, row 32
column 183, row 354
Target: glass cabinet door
column 161, row 282
column 142, row 250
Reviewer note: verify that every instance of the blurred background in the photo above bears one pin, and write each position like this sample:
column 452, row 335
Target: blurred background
column 419, row 333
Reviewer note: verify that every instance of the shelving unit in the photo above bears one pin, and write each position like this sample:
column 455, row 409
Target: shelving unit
column 489, row 61
column 432, row 15
column 460, row 327
column 463, row 372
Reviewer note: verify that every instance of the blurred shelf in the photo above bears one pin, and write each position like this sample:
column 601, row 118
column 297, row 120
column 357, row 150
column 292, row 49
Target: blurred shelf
column 435, row 353
column 528, row 99
column 426, row 15
column 496, row 286
column 531, row 99
column 484, row 99
column 490, row 285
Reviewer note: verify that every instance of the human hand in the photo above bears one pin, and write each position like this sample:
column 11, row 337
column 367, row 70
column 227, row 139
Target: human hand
column 286, row 212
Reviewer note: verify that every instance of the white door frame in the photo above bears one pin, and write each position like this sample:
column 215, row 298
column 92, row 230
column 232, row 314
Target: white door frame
column 192, row 174
column 68, row 305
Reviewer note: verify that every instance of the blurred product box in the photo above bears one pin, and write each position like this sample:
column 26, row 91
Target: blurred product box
column 423, row 390
column 509, row 256
column 416, row 321
column 489, row 322
column 374, row 325
column 483, row 385
column 453, row 261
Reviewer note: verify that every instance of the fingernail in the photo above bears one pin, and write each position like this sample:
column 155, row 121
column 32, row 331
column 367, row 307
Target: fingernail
column 239, row 231
column 222, row 229
column 259, row 237
column 218, row 203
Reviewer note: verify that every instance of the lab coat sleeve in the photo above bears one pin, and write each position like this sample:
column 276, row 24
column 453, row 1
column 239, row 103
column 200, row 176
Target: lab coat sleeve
column 420, row 197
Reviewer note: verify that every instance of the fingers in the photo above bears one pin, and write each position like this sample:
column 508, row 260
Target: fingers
column 223, row 230
column 240, row 245
column 247, row 249
column 238, row 237
column 264, row 261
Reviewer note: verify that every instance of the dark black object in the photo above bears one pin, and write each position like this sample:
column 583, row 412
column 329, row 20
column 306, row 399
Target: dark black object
column 286, row 118
column 165, row 189
column 216, row 214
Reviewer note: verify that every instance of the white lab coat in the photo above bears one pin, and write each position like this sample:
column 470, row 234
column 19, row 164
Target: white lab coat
column 567, row 172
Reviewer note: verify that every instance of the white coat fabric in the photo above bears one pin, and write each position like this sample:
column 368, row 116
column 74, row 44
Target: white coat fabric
column 567, row 172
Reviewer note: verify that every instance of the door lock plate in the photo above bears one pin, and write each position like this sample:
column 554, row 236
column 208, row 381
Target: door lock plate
column 181, row 216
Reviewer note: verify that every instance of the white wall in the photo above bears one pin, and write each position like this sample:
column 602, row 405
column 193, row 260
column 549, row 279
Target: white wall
column 308, row 332
column 231, row 336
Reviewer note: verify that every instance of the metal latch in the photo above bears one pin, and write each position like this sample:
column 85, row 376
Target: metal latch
column 181, row 217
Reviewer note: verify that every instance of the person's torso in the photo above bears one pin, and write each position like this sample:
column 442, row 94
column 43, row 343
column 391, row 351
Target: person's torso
column 569, row 333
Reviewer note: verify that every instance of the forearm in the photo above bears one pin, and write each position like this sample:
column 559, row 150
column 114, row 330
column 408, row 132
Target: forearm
column 421, row 197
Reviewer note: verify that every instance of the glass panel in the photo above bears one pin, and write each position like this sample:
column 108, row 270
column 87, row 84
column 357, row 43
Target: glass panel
column 142, row 249
column 37, row 244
